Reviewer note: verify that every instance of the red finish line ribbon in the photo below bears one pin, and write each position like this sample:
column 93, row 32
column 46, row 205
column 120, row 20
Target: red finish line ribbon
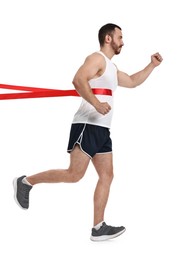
column 32, row 92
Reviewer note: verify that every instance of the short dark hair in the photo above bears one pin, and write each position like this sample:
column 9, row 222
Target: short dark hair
column 106, row 29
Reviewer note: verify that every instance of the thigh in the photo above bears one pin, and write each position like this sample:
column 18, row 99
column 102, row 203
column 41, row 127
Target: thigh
column 103, row 164
column 79, row 161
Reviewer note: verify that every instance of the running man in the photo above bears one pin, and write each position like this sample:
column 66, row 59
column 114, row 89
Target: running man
column 90, row 130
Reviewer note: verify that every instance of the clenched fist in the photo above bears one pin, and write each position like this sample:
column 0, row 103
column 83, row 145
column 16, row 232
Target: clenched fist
column 103, row 108
column 156, row 59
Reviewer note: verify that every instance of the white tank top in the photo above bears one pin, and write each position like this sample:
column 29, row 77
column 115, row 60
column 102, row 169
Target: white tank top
column 86, row 113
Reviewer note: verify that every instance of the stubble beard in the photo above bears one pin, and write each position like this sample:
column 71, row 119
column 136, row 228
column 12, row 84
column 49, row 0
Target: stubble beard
column 116, row 48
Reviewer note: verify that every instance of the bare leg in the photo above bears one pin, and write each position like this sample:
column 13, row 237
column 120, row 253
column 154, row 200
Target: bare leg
column 78, row 164
column 104, row 167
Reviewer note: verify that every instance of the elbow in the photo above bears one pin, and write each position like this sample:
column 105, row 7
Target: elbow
column 76, row 83
column 131, row 86
column 133, row 83
column 134, row 86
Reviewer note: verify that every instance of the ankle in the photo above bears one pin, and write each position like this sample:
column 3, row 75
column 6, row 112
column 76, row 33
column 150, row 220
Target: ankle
column 97, row 226
column 26, row 181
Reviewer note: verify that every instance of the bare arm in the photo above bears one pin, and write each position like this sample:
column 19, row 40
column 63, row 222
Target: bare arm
column 91, row 68
column 138, row 78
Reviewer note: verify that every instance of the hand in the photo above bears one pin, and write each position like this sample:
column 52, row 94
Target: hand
column 103, row 108
column 156, row 59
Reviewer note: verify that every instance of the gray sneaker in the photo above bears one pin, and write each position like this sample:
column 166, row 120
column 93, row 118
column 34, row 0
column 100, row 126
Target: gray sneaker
column 106, row 232
column 21, row 192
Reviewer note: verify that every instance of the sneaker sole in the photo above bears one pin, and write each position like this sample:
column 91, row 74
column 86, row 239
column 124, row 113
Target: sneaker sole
column 15, row 193
column 106, row 237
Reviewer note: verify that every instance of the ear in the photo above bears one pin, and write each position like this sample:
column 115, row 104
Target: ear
column 108, row 38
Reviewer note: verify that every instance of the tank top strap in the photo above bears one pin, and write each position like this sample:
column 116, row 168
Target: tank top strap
column 100, row 52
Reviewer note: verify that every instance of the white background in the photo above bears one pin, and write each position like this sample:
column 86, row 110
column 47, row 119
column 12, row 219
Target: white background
column 42, row 44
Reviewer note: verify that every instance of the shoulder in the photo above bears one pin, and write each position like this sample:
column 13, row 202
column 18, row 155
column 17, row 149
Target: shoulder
column 95, row 58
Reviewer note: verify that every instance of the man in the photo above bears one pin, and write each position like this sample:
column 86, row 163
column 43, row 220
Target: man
column 89, row 135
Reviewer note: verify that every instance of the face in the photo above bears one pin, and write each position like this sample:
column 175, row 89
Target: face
column 117, row 42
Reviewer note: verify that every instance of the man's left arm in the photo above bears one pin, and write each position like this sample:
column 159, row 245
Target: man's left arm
column 136, row 79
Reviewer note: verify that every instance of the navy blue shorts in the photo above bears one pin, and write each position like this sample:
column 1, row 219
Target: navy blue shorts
column 92, row 139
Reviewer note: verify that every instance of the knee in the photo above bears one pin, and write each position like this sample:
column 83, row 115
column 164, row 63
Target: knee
column 75, row 176
column 111, row 176
column 107, row 177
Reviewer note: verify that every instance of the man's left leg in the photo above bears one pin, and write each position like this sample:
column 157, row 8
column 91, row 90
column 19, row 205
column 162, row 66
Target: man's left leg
column 103, row 164
column 104, row 167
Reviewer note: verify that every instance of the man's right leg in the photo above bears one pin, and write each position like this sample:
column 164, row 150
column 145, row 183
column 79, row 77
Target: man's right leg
column 78, row 164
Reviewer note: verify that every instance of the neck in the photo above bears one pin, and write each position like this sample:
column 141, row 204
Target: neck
column 109, row 53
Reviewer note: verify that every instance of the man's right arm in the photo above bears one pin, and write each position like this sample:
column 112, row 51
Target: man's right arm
column 92, row 65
